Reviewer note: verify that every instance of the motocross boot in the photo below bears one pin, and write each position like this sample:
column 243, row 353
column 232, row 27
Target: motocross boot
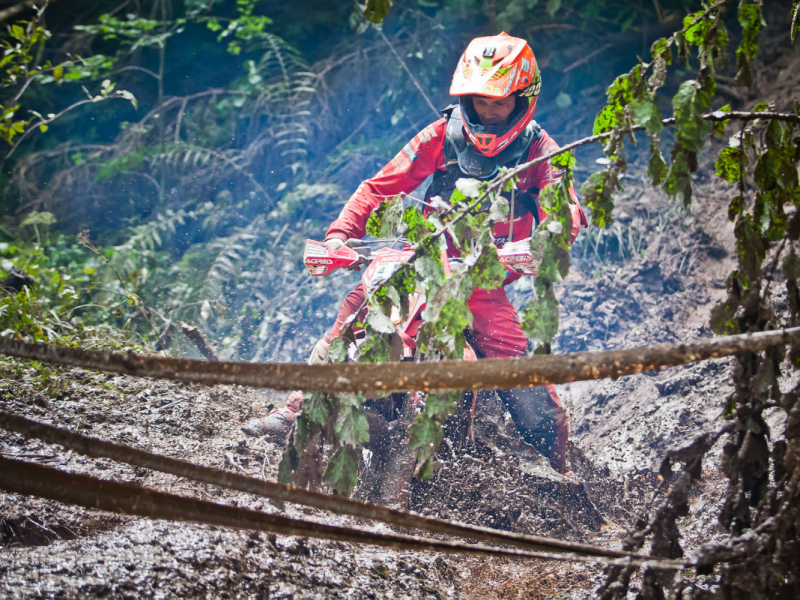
column 278, row 422
column 542, row 422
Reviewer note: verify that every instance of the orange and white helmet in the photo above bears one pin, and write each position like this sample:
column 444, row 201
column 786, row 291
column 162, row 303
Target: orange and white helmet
column 497, row 67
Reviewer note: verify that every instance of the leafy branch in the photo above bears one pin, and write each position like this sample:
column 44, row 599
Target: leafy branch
column 107, row 92
column 448, row 315
column 133, row 299
column 632, row 107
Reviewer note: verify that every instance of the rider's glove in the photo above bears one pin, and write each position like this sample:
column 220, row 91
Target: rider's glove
column 319, row 355
column 334, row 243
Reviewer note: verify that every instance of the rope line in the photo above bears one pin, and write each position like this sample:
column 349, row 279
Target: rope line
column 493, row 373
column 23, row 477
column 96, row 448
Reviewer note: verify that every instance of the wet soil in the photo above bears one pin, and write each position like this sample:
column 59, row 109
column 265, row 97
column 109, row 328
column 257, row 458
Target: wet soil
column 653, row 277
column 620, row 430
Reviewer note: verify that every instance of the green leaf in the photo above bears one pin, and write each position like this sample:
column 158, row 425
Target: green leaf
column 424, row 432
column 499, row 209
column 730, row 162
column 776, row 169
column 679, row 182
column 744, row 70
column 689, row 106
column 695, row 27
column 424, row 469
column 376, row 348
column 448, row 314
column 342, row 471
column 736, row 207
column 598, row 195
column 791, row 266
column 773, row 134
column 645, row 112
column 440, row 406
column 352, row 428
column 723, row 319
column 795, row 19
column 750, row 249
column 657, row 167
column 752, row 21
column 620, row 94
column 471, row 188
column 403, row 281
column 488, row 273
column 416, row 226
column 317, row 407
column 718, row 127
column 565, row 160
column 385, row 220
column 304, row 428
column 337, row 352
column 379, row 321
column 659, row 48
column 540, row 317
column 457, row 197
column 288, row 465
column 765, row 378
column 429, row 270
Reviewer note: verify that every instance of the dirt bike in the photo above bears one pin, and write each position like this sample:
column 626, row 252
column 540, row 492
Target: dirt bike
column 388, row 464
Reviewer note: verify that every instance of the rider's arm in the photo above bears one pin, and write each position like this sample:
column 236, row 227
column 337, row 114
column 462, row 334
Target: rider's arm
column 419, row 158
column 538, row 176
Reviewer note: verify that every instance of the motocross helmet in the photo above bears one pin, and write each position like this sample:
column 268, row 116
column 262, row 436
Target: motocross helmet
column 497, row 66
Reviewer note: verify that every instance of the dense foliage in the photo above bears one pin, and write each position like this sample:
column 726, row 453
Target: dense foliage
column 199, row 185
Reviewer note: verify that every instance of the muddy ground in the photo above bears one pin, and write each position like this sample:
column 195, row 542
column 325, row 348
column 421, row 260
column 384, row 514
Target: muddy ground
column 652, row 278
column 620, row 430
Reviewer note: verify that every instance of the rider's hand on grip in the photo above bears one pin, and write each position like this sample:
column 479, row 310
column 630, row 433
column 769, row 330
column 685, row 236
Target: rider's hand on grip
column 335, row 243
column 319, row 355
column 322, row 258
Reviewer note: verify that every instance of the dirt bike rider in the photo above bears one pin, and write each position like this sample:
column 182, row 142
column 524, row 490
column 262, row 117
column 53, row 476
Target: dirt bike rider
column 497, row 82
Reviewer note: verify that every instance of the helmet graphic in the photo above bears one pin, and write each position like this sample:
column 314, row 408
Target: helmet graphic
column 497, row 67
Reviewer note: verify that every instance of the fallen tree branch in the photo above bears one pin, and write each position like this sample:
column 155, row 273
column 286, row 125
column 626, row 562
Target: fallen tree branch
column 199, row 340
column 492, row 373
column 661, row 522
column 28, row 478
column 496, row 184
column 95, row 448
column 499, row 181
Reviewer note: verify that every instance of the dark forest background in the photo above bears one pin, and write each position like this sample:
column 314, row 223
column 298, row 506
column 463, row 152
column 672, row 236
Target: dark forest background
column 199, row 143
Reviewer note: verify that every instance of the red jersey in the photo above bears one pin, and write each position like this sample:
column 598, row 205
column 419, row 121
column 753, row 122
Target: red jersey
column 423, row 156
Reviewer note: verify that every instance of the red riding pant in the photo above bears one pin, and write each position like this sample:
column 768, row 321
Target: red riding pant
column 496, row 333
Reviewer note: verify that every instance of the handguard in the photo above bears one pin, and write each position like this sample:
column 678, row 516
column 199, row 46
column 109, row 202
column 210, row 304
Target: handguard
column 517, row 257
column 320, row 260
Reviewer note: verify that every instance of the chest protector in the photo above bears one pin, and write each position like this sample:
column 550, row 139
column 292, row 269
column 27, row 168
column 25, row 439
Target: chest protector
column 462, row 160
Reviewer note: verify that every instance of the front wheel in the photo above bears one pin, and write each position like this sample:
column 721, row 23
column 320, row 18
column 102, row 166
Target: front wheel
column 387, row 467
